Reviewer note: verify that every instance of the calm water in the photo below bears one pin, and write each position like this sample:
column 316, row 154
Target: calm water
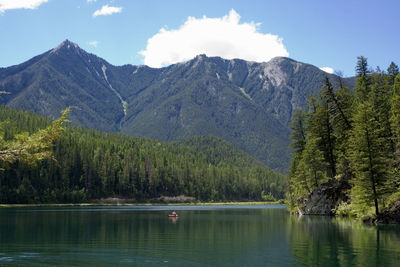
column 202, row 236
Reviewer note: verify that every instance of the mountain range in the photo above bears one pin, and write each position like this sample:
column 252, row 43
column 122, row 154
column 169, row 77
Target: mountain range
column 246, row 103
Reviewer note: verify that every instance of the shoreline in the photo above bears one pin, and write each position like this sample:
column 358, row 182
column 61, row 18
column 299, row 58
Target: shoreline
column 235, row 203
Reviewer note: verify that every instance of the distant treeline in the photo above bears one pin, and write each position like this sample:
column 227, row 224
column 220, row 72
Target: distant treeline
column 89, row 165
column 352, row 135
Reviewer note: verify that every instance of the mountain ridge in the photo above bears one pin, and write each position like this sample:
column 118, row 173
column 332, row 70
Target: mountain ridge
column 246, row 103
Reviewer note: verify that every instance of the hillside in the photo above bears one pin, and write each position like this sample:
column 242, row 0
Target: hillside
column 91, row 165
column 246, row 103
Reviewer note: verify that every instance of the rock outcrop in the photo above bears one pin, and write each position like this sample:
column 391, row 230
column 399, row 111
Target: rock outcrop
column 324, row 198
column 391, row 215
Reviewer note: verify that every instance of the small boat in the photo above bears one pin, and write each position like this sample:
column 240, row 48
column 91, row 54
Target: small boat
column 172, row 215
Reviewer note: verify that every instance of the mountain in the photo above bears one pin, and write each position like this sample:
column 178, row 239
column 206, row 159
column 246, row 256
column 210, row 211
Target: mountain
column 246, row 103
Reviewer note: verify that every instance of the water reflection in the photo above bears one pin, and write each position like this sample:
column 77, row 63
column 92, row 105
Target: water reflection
column 200, row 236
column 173, row 219
column 328, row 241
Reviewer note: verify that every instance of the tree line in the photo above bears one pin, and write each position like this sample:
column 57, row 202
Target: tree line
column 87, row 165
column 350, row 135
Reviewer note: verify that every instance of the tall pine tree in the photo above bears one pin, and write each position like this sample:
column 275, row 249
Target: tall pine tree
column 368, row 159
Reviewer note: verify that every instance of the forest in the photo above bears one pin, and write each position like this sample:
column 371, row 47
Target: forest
column 353, row 136
column 87, row 165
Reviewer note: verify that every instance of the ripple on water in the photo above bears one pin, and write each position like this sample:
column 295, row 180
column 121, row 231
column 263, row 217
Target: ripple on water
column 28, row 255
column 6, row 259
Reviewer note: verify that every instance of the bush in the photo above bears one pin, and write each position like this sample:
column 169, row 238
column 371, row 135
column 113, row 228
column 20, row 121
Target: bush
column 345, row 210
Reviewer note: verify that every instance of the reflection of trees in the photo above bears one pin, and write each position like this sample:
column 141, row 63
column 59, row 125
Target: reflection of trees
column 216, row 237
column 204, row 237
column 322, row 241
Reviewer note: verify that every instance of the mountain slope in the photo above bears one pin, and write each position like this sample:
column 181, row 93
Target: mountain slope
column 190, row 99
column 246, row 103
column 64, row 76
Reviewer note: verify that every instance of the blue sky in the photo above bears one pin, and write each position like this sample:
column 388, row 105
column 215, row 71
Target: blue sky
column 323, row 33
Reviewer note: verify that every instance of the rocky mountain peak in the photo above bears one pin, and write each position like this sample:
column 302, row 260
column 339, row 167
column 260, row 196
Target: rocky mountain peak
column 201, row 57
column 67, row 45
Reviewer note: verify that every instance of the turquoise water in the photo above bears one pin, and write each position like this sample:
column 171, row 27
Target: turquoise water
column 201, row 236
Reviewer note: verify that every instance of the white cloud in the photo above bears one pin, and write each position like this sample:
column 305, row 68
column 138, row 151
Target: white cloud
column 89, row 1
column 327, row 69
column 93, row 43
column 16, row 4
column 224, row 37
column 107, row 10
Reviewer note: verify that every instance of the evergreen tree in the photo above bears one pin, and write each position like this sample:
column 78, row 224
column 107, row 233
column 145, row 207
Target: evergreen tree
column 314, row 163
column 320, row 128
column 342, row 113
column 380, row 95
column 395, row 111
column 356, row 136
column 298, row 134
column 363, row 78
column 337, row 106
column 30, row 148
column 297, row 178
column 392, row 70
column 395, row 126
column 368, row 159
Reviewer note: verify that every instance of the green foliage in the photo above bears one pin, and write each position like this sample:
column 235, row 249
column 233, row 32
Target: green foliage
column 298, row 133
column 267, row 197
column 30, row 148
column 297, row 184
column 395, row 127
column 363, row 78
column 392, row 70
column 321, row 131
column 314, row 163
column 368, row 159
column 345, row 209
column 395, row 112
column 351, row 136
column 94, row 165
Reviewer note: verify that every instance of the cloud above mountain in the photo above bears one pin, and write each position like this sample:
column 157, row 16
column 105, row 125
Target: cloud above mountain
column 225, row 37
column 107, row 10
column 17, row 4
column 327, row 69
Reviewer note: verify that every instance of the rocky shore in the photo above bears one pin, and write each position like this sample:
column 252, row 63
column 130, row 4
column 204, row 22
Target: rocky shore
column 324, row 199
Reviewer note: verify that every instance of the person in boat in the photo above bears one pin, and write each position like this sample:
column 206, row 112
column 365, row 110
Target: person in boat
column 174, row 214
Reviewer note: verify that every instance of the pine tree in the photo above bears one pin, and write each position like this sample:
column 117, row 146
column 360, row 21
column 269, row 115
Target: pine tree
column 395, row 112
column 380, row 95
column 297, row 178
column 314, row 163
column 368, row 159
column 319, row 126
column 30, row 148
column 337, row 106
column 342, row 112
column 392, row 70
column 395, row 126
column 363, row 78
column 298, row 134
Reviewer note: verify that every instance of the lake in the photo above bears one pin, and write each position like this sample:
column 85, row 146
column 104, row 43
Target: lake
column 201, row 236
